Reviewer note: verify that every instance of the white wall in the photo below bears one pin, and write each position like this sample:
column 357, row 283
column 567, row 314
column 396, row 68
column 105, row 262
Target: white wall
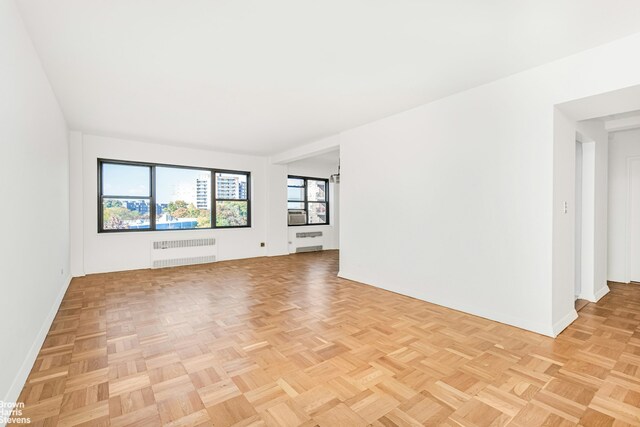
column 469, row 210
column 578, row 214
column 622, row 147
column 594, row 204
column 76, row 204
column 34, row 163
column 314, row 168
column 277, row 233
column 127, row 251
column 563, row 222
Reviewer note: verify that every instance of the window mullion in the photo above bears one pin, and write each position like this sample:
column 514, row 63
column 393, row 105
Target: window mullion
column 152, row 208
column 306, row 200
column 214, row 200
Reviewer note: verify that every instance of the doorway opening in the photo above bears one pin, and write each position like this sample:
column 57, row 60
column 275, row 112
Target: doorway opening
column 597, row 203
column 313, row 202
column 633, row 218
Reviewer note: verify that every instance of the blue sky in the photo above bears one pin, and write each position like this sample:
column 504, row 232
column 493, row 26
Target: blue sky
column 127, row 180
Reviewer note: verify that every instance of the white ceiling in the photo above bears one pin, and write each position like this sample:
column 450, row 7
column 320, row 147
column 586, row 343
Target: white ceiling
column 261, row 76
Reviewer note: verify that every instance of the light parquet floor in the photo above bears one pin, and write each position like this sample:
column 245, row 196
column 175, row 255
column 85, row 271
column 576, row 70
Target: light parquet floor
column 284, row 342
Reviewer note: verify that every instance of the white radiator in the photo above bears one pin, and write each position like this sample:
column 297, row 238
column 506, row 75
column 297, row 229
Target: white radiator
column 308, row 241
column 174, row 253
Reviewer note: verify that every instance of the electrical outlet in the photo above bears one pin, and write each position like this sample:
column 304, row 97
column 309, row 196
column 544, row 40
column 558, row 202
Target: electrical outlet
column 262, row 244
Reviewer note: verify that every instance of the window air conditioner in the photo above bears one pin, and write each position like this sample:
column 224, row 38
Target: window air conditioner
column 297, row 217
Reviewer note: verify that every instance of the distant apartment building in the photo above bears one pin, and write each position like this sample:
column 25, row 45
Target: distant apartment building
column 139, row 206
column 143, row 207
column 160, row 207
column 203, row 194
column 230, row 187
column 184, row 191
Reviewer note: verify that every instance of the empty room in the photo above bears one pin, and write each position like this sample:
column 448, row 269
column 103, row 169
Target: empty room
column 329, row 213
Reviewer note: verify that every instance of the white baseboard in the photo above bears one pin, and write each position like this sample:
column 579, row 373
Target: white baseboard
column 527, row 324
column 21, row 375
column 595, row 297
column 587, row 297
column 601, row 292
column 561, row 324
column 278, row 254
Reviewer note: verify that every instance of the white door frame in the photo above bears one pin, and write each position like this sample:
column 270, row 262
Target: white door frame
column 630, row 162
column 588, row 220
column 578, row 219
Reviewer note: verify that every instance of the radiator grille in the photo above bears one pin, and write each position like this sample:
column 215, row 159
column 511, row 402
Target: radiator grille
column 187, row 243
column 309, row 234
column 176, row 262
column 309, row 249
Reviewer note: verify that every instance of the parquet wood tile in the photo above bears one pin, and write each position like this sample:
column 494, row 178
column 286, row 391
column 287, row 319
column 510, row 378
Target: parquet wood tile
column 284, row 342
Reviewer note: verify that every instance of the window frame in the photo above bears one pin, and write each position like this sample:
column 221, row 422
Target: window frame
column 306, row 199
column 152, row 197
column 215, row 199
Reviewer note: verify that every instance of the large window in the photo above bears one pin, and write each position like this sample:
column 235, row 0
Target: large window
column 232, row 199
column 183, row 198
column 126, row 197
column 147, row 197
column 307, row 200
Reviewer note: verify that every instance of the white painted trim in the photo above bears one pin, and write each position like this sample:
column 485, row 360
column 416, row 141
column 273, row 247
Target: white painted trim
column 622, row 124
column 595, row 297
column 278, row 254
column 21, row 376
column 601, row 292
column 561, row 324
column 587, row 297
column 517, row 322
column 588, row 218
column 627, row 229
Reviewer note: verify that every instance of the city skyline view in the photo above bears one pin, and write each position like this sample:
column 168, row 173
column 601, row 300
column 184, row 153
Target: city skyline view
column 183, row 197
column 173, row 183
